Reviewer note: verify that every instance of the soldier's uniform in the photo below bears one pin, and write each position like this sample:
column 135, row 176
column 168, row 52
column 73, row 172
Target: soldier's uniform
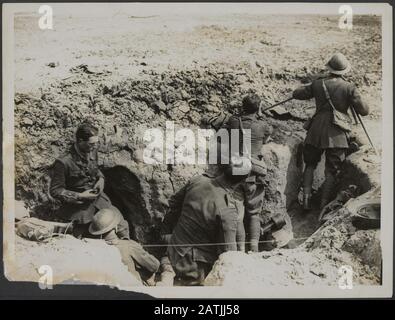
column 72, row 174
column 253, row 188
column 208, row 216
column 323, row 135
column 139, row 262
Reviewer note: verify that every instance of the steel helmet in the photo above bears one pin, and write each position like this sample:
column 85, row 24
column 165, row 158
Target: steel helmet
column 338, row 64
column 367, row 215
column 104, row 220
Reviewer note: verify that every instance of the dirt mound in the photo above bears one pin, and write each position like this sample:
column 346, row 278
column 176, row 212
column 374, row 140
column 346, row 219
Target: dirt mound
column 72, row 261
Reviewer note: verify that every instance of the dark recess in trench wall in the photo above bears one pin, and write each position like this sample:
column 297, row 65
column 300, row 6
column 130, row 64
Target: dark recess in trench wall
column 124, row 189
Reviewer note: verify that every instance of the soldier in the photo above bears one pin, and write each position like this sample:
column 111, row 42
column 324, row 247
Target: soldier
column 78, row 184
column 253, row 188
column 207, row 224
column 139, row 262
column 333, row 96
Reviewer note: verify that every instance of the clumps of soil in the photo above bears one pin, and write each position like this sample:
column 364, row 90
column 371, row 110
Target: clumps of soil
column 295, row 267
column 316, row 262
column 46, row 118
column 45, row 126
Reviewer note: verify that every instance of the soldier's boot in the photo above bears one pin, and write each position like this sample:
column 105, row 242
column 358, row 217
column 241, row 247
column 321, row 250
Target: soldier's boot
column 150, row 281
column 308, row 176
column 327, row 189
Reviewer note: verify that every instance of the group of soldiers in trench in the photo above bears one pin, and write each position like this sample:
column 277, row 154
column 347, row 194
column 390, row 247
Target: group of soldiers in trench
column 213, row 213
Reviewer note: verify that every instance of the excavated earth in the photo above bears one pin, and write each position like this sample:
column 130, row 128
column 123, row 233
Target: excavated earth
column 149, row 71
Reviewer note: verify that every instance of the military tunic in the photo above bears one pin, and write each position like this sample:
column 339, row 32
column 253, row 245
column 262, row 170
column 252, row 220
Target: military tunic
column 253, row 188
column 209, row 216
column 259, row 131
column 323, row 134
column 139, row 262
column 72, row 174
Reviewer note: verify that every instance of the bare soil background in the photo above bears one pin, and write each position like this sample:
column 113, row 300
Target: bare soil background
column 129, row 73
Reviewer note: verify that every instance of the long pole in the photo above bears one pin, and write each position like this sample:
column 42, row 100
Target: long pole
column 364, row 129
column 276, row 104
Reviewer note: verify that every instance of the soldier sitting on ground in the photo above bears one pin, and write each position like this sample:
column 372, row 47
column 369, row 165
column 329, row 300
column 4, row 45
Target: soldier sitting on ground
column 333, row 96
column 139, row 262
column 78, row 184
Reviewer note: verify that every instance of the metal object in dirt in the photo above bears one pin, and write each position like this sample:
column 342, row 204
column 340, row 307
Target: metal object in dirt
column 276, row 223
column 367, row 216
column 342, row 197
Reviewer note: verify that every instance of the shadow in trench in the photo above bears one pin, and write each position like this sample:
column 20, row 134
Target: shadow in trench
column 125, row 191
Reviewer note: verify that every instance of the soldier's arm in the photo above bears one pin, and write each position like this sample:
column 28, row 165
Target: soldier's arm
column 99, row 185
column 219, row 121
column 57, row 187
column 357, row 102
column 227, row 222
column 142, row 257
column 174, row 212
column 304, row 92
column 99, row 177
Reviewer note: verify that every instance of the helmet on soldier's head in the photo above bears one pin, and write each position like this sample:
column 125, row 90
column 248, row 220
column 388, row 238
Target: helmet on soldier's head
column 338, row 64
column 104, row 220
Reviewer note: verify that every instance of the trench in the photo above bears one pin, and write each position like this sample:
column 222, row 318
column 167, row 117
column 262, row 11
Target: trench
column 143, row 197
column 126, row 192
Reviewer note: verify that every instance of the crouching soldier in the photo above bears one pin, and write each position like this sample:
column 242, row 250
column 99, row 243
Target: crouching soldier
column 207, row 225
column 328, row 128
column 139, row 262
column 78, row 184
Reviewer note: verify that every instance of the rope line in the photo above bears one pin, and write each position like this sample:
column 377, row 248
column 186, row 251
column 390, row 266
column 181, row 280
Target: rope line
column 211, row 243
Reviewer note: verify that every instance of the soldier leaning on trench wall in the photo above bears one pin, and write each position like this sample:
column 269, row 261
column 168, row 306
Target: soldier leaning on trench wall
column 334, row 96
column 207, row 225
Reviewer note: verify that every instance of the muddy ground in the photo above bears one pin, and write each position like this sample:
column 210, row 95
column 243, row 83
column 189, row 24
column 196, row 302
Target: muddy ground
column 130, row 73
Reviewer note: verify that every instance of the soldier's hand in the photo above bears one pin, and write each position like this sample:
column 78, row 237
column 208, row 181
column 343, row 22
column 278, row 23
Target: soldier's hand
column 88, row 195
column 99, row 185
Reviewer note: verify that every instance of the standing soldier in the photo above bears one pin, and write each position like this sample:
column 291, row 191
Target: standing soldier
column 78, row 184
column 328, row 128
column 254, row 185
